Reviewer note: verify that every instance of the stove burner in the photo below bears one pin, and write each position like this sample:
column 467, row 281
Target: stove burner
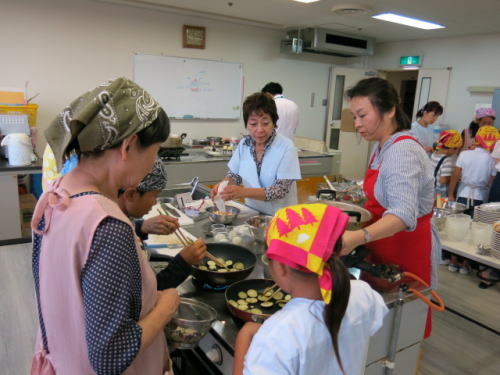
column 171, row 153
column 206, row 286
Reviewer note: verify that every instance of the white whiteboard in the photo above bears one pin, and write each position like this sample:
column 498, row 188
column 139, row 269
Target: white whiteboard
column 191, row 88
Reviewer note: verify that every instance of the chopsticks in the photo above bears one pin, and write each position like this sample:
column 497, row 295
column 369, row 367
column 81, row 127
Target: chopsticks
column 267, row 290
column 186, row 242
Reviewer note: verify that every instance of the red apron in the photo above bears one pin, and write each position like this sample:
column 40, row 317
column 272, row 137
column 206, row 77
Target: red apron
column 410, row 250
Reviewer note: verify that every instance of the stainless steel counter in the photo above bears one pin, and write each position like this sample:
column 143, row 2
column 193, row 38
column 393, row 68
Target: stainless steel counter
column 212, row 169
column 224, row 330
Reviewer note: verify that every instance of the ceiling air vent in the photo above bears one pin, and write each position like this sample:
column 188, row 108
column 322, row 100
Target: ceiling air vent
column 323, row 41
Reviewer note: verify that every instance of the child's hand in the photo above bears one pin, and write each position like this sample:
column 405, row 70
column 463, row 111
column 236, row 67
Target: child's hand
column 161, row 224
column 194, row 254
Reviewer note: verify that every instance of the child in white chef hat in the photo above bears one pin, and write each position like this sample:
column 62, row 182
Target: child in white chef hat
column 325, row 328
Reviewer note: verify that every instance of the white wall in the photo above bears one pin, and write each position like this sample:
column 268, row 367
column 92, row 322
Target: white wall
column 64, row 47
column 474, row 62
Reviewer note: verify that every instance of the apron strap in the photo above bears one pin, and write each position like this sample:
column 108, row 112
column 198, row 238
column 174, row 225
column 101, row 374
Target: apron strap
column 436, row 170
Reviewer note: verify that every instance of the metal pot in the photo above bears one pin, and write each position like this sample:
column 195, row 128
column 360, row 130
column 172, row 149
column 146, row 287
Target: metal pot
column 358, row 216
column 225, row 218
column 242, row 286
column 228, row 252
column 174, row 141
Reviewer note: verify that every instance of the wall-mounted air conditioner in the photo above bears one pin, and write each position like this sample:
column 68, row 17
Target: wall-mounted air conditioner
column 323, row 41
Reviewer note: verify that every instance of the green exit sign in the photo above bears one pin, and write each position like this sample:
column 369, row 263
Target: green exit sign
column 410, row 60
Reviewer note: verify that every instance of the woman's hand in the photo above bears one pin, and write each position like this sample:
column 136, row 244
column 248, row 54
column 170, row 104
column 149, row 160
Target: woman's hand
column 168, row 302
column 232, row 192
column 194, row 253
column 161, row 224
column 350, row 240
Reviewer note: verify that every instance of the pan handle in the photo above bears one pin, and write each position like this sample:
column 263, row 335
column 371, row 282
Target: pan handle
column 355, row 214
column 332, row 193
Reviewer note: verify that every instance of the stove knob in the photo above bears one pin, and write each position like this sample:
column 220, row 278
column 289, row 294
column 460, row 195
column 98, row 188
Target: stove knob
column 215, row 354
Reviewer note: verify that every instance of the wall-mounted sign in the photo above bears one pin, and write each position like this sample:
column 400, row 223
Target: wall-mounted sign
column 410, row 60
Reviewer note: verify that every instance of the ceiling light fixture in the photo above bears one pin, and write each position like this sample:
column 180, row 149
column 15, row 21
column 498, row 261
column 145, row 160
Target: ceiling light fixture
column 351, row 9
column 410, row 67
column 408, row 21
column 306, row 1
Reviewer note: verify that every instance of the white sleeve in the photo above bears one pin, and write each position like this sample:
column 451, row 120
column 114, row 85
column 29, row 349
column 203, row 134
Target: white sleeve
column 460, row 161
column 496, row 151
column 269, row 354
column 379, row 311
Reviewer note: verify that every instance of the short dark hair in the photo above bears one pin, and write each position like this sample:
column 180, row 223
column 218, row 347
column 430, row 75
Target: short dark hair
column 433, row 106
column 273, row 88
column 260, row 103
column 383, row 96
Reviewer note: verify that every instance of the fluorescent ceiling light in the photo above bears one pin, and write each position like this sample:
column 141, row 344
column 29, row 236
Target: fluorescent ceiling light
column 410, row 67
column 408, row 21
column 306, row 1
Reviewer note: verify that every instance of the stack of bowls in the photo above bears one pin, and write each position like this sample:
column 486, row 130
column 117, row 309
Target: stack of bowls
column 487, row 212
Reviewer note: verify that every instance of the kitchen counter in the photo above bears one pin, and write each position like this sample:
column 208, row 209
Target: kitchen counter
column 212, row 169
column 224, row 330
column 466, row 249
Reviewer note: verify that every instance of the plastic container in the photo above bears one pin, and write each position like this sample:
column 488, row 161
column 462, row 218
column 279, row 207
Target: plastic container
column 457, row 226
column 19, row 149
column 28, row 109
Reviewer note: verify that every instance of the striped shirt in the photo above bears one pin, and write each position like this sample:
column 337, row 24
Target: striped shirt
column 445, row 170
column 405, row 186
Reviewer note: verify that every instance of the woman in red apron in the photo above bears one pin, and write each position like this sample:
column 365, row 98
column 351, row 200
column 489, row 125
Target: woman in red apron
column 398, row 184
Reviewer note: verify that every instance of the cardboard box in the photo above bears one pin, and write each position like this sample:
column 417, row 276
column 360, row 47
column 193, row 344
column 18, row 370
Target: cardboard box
column 27, row 203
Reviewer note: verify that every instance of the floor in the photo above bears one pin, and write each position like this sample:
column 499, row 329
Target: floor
column 457, row 345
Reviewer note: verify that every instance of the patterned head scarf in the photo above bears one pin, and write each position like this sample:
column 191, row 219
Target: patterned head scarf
column 155, row 180
column 102, row 118
column 449, row 139
column 487, row 136
column 303, row 237
column 485, row 112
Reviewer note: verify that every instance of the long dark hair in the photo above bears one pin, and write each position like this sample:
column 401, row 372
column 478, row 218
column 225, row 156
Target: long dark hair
column 430, row 107
column 383, row 96
column 341, row 290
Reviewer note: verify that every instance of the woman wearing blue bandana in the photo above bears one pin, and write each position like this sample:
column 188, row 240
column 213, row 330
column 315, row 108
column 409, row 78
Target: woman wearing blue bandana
column 265, row 166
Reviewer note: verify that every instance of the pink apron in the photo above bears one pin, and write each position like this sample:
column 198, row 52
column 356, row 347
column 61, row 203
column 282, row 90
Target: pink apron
column 70, row 225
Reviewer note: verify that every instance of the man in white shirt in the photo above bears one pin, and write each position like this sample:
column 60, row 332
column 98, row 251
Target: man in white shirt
column 288, row 111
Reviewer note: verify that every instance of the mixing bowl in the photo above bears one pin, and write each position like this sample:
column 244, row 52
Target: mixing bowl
column 190, row 323
column 259, row 224
column 223, row 217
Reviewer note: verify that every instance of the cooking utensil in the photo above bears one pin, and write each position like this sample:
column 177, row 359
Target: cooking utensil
column 329, row 183
column 259, row 224
column 169, row 211
column 242, row 286
column 190, row 323
column 227, row 251
column 358, row 216
column 227, row 217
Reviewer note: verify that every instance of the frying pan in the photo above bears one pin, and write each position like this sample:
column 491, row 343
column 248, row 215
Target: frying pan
column 227, row 251
column 242, row 286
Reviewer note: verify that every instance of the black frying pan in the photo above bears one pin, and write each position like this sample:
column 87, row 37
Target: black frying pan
column 242, row 286
column 226, row 251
